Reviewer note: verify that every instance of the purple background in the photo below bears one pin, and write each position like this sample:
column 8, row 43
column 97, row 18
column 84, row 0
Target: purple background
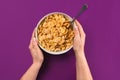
column 101, row 23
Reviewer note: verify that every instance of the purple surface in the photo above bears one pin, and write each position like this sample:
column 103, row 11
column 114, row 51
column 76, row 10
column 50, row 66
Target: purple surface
column 101, row 22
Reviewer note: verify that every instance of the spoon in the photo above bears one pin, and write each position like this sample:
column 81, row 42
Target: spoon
column 84, row 7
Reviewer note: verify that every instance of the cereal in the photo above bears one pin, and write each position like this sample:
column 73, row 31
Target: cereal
column 55, row 33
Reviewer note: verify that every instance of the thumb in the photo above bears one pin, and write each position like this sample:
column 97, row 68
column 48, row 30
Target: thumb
column 35, row 43
column 76, row 31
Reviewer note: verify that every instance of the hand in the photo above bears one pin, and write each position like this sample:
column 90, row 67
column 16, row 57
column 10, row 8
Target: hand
column 36, row 53
column 79, row 39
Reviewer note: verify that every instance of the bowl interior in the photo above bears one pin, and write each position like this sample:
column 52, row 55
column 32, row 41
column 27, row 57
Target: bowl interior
column 51, row 52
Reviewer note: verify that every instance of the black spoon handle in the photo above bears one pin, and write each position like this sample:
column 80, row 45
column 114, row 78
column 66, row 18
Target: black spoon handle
column 84, row 7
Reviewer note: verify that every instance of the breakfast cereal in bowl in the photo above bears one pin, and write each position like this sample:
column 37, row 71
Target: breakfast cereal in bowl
column 54, row 33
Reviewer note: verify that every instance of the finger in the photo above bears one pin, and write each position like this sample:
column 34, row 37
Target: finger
column 81, row 31
column 35, row 31
column 33, row 34
column 76, row 32
column 34, row 43
column 31, row 41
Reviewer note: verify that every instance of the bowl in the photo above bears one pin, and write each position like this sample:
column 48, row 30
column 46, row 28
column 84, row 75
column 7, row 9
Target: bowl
column 38, row 27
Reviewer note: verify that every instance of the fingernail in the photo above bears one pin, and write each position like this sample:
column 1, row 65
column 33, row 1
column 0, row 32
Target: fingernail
column 34, row 39
column 74, row 26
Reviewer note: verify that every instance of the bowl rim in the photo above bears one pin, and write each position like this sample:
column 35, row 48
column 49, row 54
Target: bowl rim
column 47, row 51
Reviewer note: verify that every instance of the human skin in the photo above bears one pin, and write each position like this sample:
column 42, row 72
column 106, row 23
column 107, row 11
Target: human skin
column 37, row 57
column 82, row 68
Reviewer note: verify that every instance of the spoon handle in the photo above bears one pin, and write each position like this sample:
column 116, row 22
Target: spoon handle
column 84, row 7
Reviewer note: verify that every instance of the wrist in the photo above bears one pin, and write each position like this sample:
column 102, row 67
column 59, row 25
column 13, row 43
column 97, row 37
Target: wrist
column 37, row 64
column 79, row 52
column 38, row 61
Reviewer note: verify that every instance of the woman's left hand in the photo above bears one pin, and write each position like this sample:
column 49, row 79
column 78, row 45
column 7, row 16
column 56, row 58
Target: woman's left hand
column 36, row 53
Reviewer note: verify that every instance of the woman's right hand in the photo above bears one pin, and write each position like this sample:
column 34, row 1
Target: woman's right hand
column 79, row 39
